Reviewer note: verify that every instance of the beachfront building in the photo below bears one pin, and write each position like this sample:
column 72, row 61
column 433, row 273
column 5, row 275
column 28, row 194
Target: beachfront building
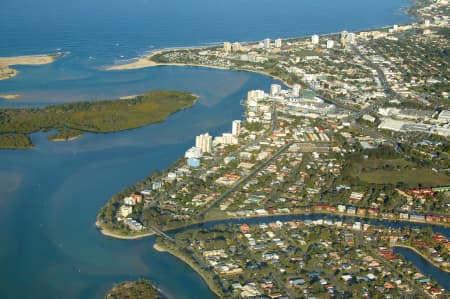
column 315, row 39
column 267, row 43
column 275, row 89
column 278, row 43
column 204, row 143
column 330, row 44
column 227, row 47
column 193, row 152
column 343, row 38
column 236, row 47
column 296, row 90
column 236, row 127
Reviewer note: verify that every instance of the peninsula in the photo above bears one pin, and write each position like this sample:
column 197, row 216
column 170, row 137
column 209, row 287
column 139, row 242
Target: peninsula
column 140, row 289
column 362, row 133
column 6, row 72
column 73, row 119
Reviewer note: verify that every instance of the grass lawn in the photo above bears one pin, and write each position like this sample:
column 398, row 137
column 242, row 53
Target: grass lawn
column 423, row 176
column 392, row 171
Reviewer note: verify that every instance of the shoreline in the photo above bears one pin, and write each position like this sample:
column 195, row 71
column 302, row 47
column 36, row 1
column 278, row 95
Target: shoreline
column 145, row 61
column 115, row 235
column 68, row 139
column 188, row 262
column 7, row 72
column 426, row 258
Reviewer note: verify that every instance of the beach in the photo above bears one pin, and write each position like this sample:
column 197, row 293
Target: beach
column 5, row 62
column 146, row 61
column 9, row 96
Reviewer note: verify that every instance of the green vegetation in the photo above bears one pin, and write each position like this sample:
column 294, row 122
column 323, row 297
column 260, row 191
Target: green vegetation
column 387, row 167
column 15, row 141
column 134, row 289
column 98, row 117
column 412, row 177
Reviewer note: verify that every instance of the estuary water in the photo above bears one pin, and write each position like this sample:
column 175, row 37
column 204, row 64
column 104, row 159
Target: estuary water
column 50, row 195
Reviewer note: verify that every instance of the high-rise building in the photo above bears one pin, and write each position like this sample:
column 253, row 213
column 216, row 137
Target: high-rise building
column 204, row 142
column 351, row 38
column 278, row 43
column 236, row 47
column 227, row 47
column 330, row 44
column 343, row 38
column 275, row 89
column 296, row 90
column 255, row 94
column 315, row 39
column 236, row 127
column 267, row 43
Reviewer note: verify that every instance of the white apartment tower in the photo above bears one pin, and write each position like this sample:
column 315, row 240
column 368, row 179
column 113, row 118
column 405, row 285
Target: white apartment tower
column 315, row 39
column 204, row 142
column 275, row 89
column 278, row 43
column 296, row 88
column 236, row 47
column 227, row 47
column 255, row 94
column 343, row 38
column 236, row 127
column 267, row 43
column 330, row 44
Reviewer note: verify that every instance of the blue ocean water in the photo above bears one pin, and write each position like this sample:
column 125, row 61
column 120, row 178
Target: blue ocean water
column 50, row 195
column 97, row 33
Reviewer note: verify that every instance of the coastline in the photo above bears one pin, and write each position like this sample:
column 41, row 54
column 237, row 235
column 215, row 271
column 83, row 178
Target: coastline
column 146, row 62
column 422, row 255
column 115, row 235
column 6, row 72
column 187, row 261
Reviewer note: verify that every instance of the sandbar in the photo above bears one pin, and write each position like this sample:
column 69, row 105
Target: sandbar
column 9, row 96
column 5, row 62
column 139, row 63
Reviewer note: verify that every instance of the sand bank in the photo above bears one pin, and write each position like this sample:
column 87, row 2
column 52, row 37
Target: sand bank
column 5, row 62
column 9, row 96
